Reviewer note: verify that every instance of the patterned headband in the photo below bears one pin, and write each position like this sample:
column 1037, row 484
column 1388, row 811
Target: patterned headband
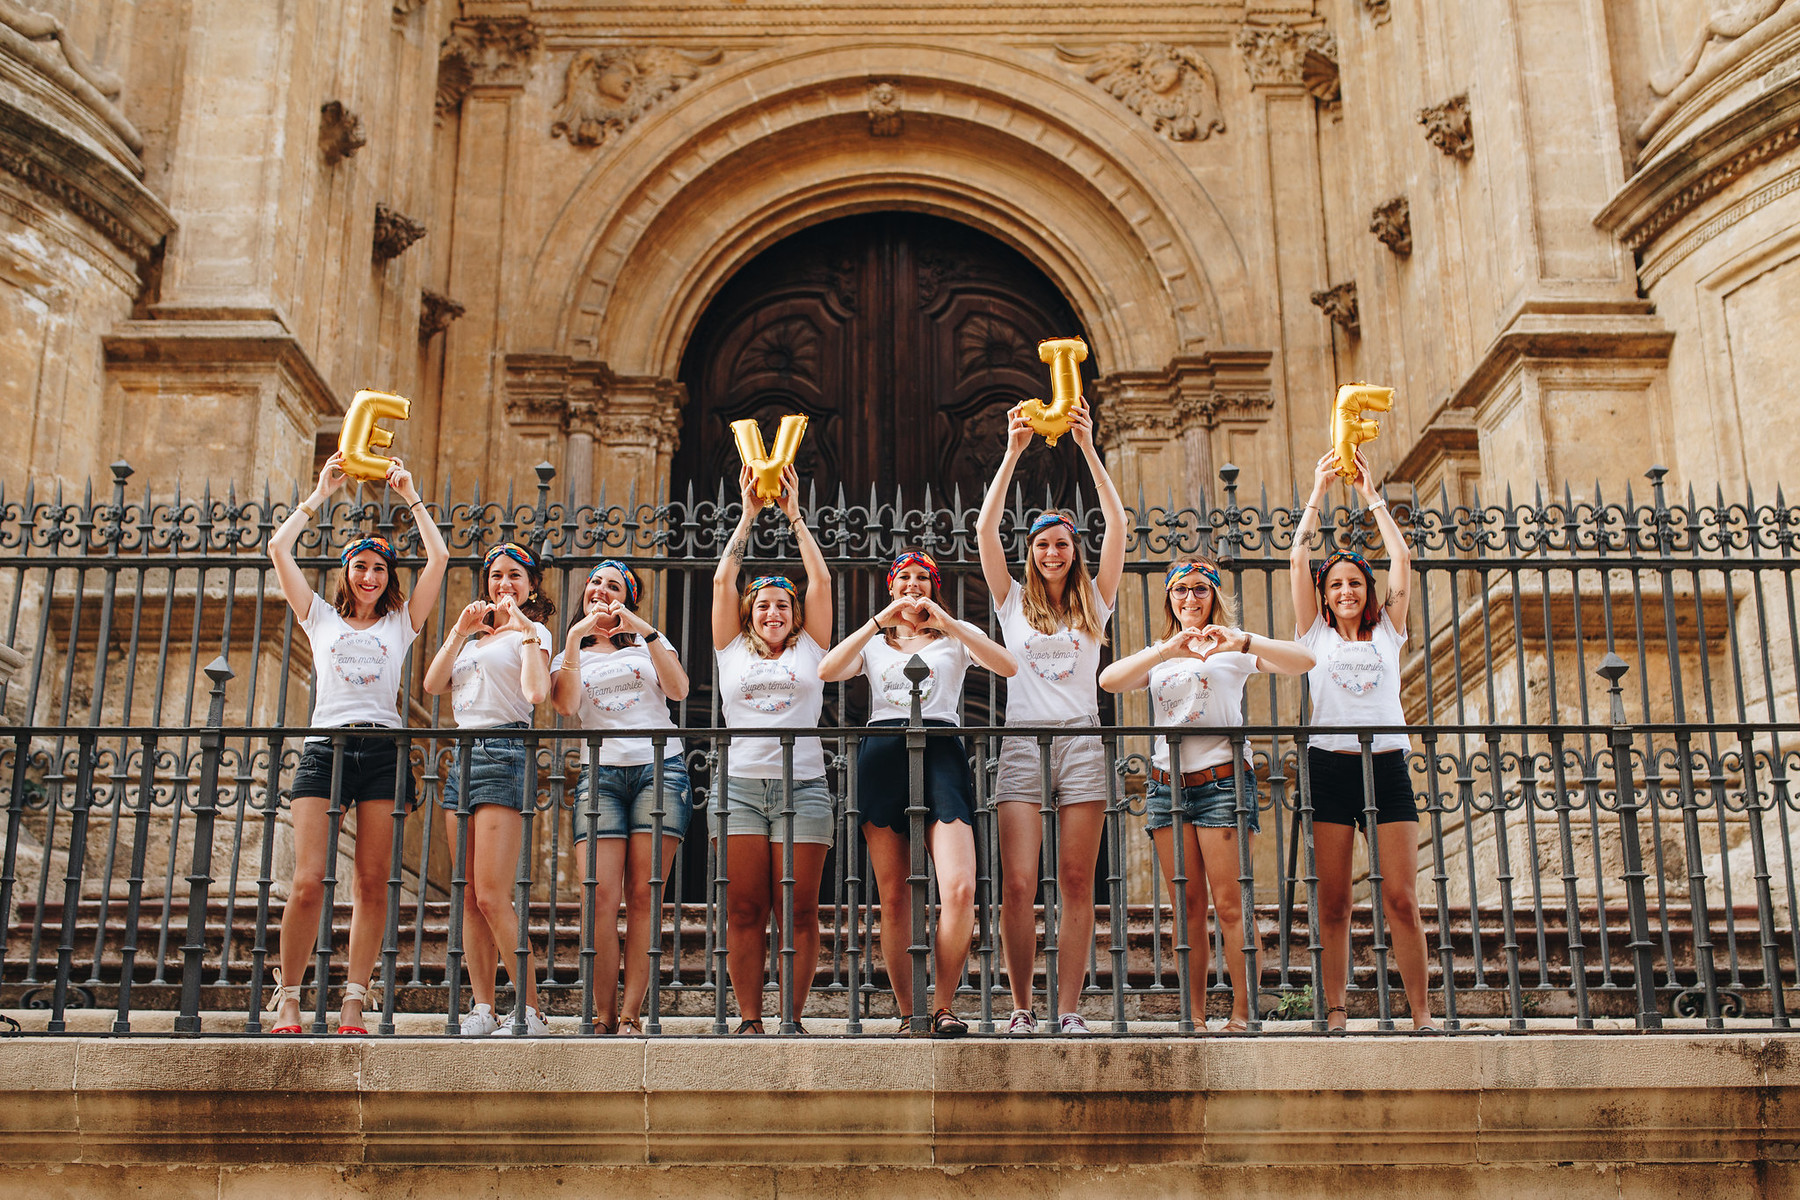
column 774, row 581
column 915, row 558
column 1338, row 556
column 380, row 545
column 1180, row 571
column 625, row 572
column 1046, row 521
column 512, row 550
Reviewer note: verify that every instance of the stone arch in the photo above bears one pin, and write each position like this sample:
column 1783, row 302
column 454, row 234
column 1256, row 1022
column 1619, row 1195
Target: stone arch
column 1010, row 144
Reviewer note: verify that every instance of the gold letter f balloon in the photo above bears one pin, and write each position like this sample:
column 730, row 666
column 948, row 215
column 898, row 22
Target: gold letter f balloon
column 1052, row 419
column 1349, row 428
column 360, row 436
column 765, row 466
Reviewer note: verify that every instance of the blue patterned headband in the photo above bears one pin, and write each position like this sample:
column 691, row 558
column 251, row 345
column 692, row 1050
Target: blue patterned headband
column 380, row 545
column 625, row 572
column 1046, row 521
column 1180, row 571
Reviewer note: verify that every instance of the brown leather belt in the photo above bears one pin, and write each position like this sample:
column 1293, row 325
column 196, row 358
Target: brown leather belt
column 1194, row 778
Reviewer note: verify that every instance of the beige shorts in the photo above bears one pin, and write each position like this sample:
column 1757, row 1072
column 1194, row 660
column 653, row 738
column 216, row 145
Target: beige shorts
column 1077, row 768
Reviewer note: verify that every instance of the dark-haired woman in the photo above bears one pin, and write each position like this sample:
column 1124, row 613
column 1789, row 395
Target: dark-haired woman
column 618, row 673
column 359, row 643
column 1340, row 615
column 1196, row 676
column 768, row 643
column 496, row 667
column 1054, row 623
column 915, row 623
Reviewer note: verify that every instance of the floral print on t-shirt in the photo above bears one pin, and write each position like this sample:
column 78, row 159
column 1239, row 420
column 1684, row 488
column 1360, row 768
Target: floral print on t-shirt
column 769, row 686
column 1053, row 656
column 1356, row 667
column 613, row 686
column 358, row 657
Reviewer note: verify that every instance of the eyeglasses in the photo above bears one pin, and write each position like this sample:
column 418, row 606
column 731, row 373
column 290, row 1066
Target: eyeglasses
column 1189, row 591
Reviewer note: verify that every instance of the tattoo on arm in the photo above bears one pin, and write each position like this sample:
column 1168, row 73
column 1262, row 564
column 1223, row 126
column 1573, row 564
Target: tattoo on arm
column 734, row 549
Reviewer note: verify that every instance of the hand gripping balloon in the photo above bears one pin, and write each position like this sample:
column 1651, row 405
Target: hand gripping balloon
column 361, row 436
column 1348, row 427
column 765, row 466
column 1052, row 419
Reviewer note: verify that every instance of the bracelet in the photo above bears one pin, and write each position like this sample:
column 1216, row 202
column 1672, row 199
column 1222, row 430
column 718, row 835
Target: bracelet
column 308, row 509
column 530, row 641
column 1377, row 504
column 651, row 638
column 418, row 503
column 569, row 659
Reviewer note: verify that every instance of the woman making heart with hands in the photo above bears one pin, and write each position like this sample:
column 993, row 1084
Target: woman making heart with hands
column 618, row 673
column 914, row 623
column 1196, row 678
column 495, row 668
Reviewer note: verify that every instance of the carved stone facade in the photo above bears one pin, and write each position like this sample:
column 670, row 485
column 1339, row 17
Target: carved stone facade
column 341, row 133
column 1339, row 303
column 1391, row 223
column 395, row 232
column 886, row 118
column 1448, row 127
column 604, row 91
column 1171, row 87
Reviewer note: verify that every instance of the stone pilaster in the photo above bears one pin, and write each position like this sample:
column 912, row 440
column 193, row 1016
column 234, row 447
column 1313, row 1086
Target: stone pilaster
column 612, row 435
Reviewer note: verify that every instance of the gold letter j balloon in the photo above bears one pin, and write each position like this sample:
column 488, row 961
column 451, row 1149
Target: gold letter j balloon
column 360, row 436
column 1052, row 419
column 1349, row 429
column 765, row 466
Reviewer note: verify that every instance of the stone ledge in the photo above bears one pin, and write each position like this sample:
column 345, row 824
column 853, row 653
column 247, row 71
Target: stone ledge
column 1461, row 1103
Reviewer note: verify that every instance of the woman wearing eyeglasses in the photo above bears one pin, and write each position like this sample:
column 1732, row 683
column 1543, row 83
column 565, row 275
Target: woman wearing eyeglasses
column 1356, row 635
column 769, row 641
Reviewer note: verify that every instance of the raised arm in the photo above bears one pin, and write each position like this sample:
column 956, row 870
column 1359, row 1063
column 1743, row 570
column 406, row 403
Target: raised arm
column 1133, row 672
column 725, row 588
column 994, row 568
column 1272, row 657
column 294, row 588
column 1399, row 552
column 982, row 648
column 437, row 675
column 844, row 659
column 1306, row 595
column 818, row 575
column 437, row 555
column 565, row 683
column 1112, row 509
column 671, row 676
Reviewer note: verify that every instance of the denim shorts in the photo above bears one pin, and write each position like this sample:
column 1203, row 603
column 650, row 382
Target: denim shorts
column 498, row 768
column 627, row 800
column 1207, row 805
column 371, row 766
column 756, row 810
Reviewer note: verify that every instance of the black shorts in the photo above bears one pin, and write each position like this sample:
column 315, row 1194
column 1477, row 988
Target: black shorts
column 1337, row 788
column 369, row 771
column 883, row 773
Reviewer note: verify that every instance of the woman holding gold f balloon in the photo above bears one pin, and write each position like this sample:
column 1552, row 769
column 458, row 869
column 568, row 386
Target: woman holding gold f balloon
column 1054, row 623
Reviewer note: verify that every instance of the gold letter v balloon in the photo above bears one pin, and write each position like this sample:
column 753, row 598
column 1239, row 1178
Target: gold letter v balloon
column 765, row 466
column 1052, row 419
column 361, row 437
column 1349, row 429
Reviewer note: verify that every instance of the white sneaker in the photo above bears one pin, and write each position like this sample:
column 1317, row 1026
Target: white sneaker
column 535, row 1025
column 1074, row 1026
column 1024, row 1023
column 479, row 1021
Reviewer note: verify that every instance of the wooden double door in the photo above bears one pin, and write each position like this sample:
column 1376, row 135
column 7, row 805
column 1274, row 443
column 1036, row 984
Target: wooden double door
column 904, row 338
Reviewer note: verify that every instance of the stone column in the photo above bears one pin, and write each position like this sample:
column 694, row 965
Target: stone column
column 610, row 435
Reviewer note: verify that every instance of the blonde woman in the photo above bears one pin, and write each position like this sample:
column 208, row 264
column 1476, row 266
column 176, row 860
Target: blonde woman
column 768, row 641
column 1196, row 676
column 1054, row 623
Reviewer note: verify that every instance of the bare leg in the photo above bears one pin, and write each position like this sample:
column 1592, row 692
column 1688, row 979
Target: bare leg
column 809, row 870
column 1399, row 844
column 609, row 874
column 953, row 851
column 642, row 922
column 368, row 906
column 480, row 955
column 1078, row 848
column 890, row 857
column 747, row 898
column 498, row 832
column 1199, row 941
column 1021, row 842
column 1332, row 849
column 1219, row 855
column 299, row 928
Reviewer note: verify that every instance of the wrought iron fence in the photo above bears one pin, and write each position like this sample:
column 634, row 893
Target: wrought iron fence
column 1601, row 696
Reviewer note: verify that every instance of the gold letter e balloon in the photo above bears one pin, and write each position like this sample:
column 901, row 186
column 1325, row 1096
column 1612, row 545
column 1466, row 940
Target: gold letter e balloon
column 765, row 466
column 361, row 437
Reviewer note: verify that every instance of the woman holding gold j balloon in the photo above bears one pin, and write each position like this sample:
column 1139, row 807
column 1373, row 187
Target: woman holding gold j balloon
column 1054, row 623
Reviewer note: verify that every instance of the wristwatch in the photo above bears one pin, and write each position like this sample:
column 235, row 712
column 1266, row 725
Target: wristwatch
column 652, row 636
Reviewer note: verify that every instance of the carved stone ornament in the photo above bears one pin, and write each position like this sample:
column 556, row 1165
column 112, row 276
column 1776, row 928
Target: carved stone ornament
column 394, row 232
column 1448, row 127
column 1339, row 303
column 1280, row 55
column 1377, row 10
column 1391, row 223
column 404, row 8
column 1725, row 23
column 340, row 132
column 48, row 48
column 436, row 311
column 1170, row 87
column 484, row 53
column 608, row 89
column 885, row 116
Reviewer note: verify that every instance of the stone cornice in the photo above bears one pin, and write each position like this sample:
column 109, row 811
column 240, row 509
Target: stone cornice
column 1691, row 173
column 1192, row 392
column 251, row 338
column 1626, row 331
column 571, row 395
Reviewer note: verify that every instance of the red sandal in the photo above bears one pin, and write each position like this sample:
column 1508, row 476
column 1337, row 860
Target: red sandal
column 281, row 995
column 360, row 993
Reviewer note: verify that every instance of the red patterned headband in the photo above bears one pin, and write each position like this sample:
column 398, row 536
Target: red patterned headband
column 915, row 558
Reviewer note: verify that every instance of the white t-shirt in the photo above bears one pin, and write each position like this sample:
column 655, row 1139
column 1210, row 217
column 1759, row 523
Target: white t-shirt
column 1205, row 694
column 890, row 691
column 620, row 690
column 1356, row 684
column 784, row 691
column 1058, row 672
column 357, row 672
column 485, row 687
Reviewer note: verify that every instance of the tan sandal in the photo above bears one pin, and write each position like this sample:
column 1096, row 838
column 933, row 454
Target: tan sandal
column 629, row 1027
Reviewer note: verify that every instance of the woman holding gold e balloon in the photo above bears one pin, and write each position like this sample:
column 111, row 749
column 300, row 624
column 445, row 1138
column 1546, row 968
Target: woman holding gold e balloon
column 1340, row 615
column 359, row 643
column 1196, row 676
column 1054, row 624
column 768, row 642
